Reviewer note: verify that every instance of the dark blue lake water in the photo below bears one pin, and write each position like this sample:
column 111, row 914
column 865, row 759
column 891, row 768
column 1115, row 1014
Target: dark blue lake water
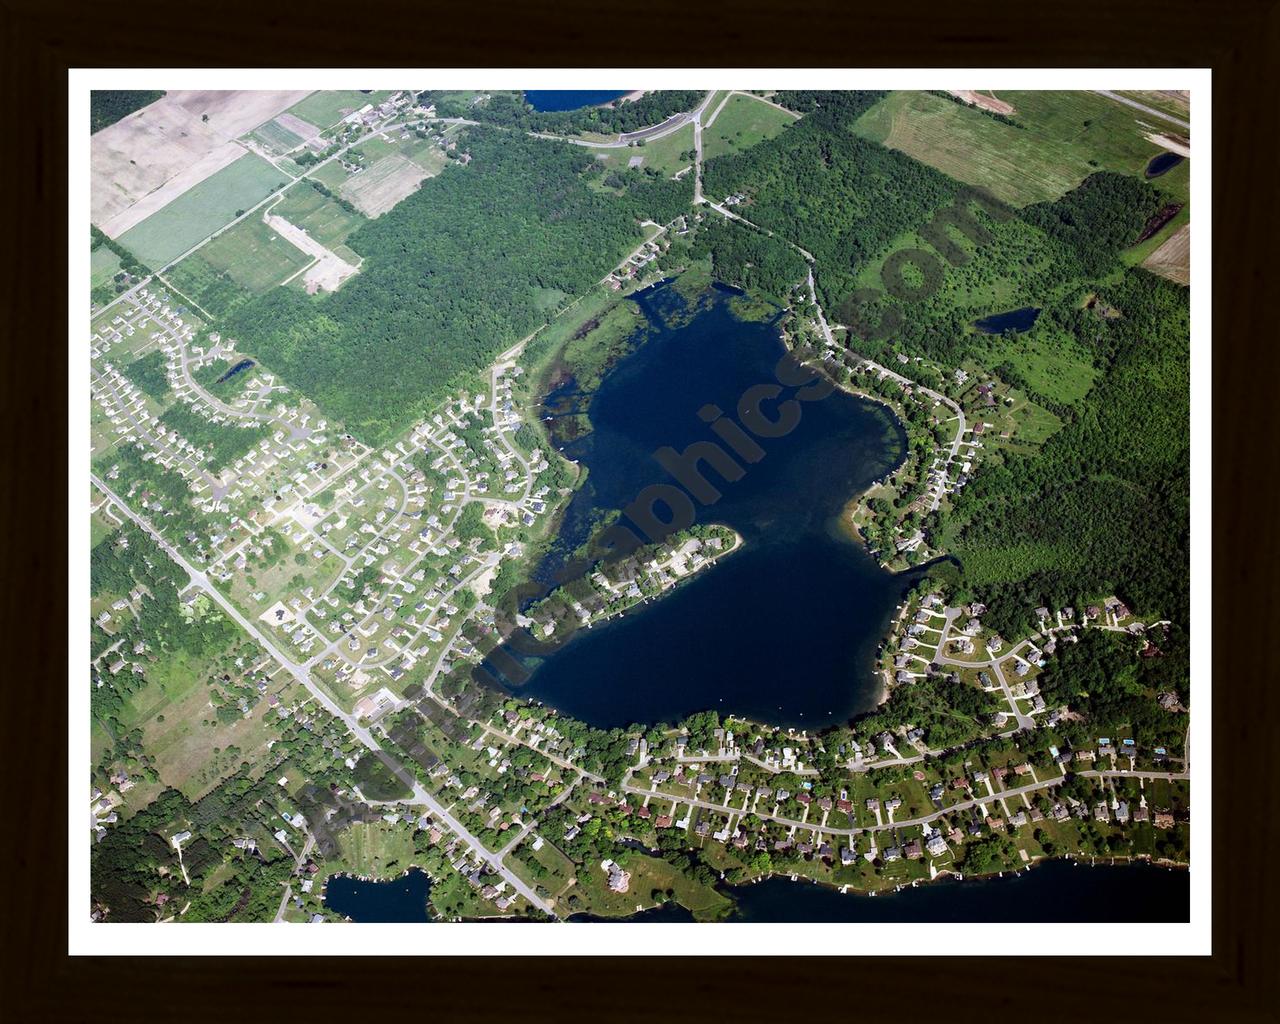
column 1060, row 891
column 570, row 99
column 395, row 900
column 1163, row 162
column 1017, row 320
column 785, row 629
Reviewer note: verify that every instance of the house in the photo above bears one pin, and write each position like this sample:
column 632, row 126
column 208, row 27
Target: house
column 913, row 850
column 892, row 853
column 936, row 846
column 847, row 856
column 662, row 821
column 1162, row 819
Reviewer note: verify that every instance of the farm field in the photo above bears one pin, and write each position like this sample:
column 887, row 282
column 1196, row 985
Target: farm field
column 375, row 191
column 1173, row 258
column 202, row 210
column 1066, row 137
column 323, row 109
column 250, row 254
column 275, row 137
column 741, row 123
column 326, row 221
column 148, row 159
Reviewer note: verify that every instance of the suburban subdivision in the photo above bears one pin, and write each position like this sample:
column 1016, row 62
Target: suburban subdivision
column 708, row 505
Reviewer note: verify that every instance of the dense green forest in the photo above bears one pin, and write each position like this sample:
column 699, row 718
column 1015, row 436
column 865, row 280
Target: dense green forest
column 1102, row 215
column 762, row 264
column 509, row 110
column 1104, row 505
column 839, row 197
column 148, row 374
column 452, row 276
column 107, row 106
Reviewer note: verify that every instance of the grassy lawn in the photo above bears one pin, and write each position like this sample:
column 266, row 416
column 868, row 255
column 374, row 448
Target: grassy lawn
column 742, row 123
column 201, row 210
column 379, row 850
column 1066, row 137
column 664, row 154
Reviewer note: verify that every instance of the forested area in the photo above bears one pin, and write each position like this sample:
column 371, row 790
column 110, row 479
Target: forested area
column 148, row 374
column 222, row 442
column 107, row 106
column 451, row 277
column 949, row 712
column 510, row 110
column 839, row 197
column 1102, row 215
column 1104, row 505
column 747, row 259
column 1105, row 678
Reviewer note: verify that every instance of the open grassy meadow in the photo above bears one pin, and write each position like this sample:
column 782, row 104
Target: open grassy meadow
column 202, row 210
column 666, row 155
column 103, row 266
column 1064, row 137
column 743, row 121
column 328, row 107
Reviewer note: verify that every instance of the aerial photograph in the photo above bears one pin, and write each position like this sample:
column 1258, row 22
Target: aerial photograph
column 670, row 505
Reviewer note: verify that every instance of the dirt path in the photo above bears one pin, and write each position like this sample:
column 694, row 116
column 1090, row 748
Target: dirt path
column 987, row 100
column 329, row 270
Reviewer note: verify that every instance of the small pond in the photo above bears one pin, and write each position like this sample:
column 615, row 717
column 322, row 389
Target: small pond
column 1162, row 162
column 1016, row 320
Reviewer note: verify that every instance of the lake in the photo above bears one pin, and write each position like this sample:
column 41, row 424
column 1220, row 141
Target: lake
column 1017, row 320
column 570, row 99
column 1058, row 891
column 1162, row 162
column 396, row 900
column 783, row 630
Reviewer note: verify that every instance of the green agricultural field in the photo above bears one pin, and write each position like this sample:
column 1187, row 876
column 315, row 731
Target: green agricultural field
column 328, row 107
column 1065, row 137
column 326, row 221
column 276, row 137
column 330, row 175
column 246, row 260
column 742, row 123
column 202, row 210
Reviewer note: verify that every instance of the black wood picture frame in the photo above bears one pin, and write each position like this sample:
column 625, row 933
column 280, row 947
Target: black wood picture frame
column 1236, row 38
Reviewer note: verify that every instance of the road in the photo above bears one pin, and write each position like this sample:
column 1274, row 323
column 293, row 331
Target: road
column 299, row 672
column 940, row 487
column 963, row 805
column 1144, row 108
